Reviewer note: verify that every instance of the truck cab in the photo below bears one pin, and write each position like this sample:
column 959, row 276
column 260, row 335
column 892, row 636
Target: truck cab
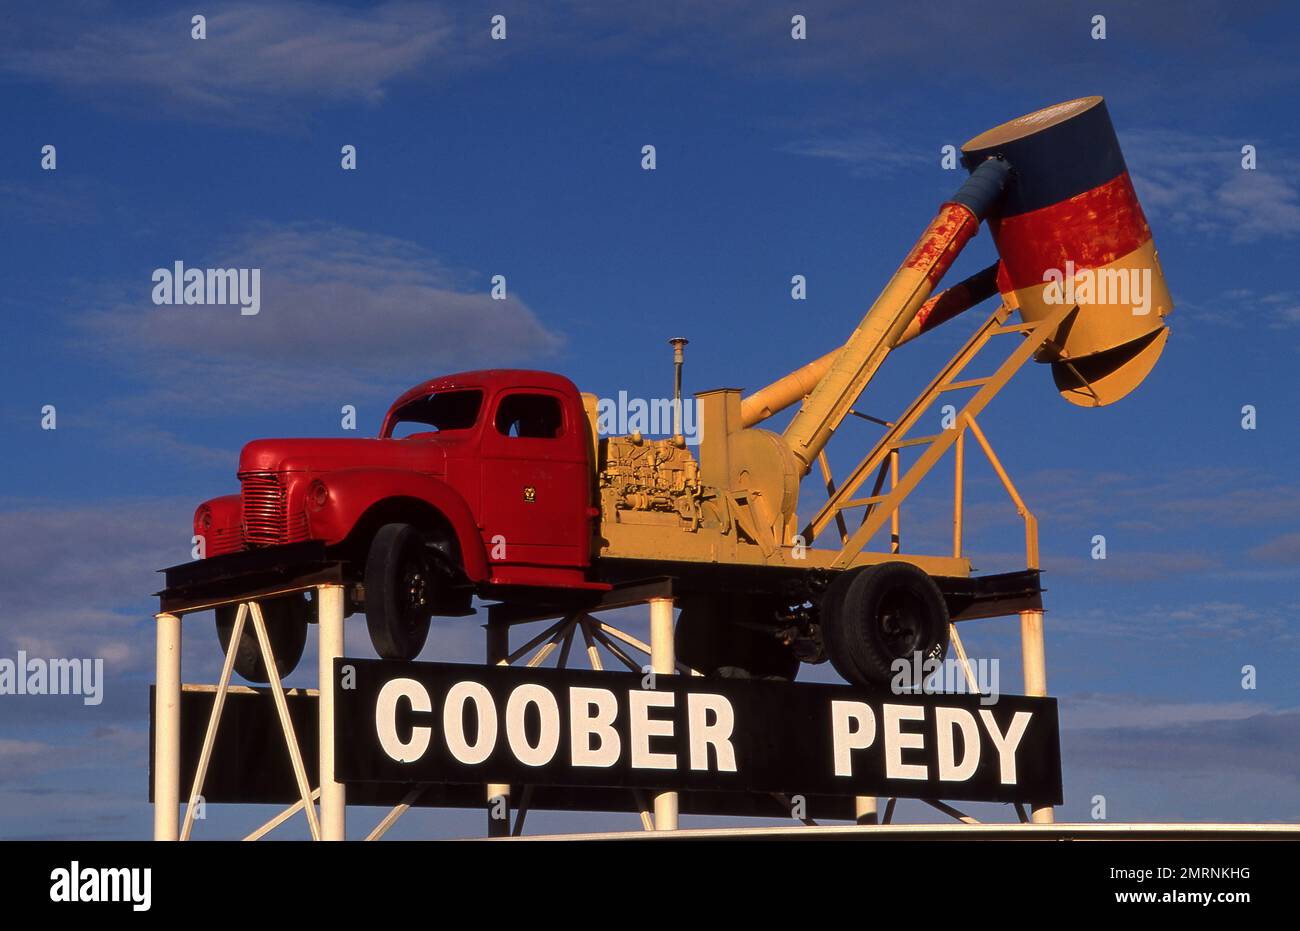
column 517, row 450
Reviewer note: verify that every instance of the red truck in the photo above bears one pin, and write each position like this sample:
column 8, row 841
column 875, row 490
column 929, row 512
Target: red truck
column 477, row 480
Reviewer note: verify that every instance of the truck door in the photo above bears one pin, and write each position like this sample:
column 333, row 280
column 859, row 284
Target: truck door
column 536, row 484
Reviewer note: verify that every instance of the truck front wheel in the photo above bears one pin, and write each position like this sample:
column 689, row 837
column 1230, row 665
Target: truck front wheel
column 399, row 585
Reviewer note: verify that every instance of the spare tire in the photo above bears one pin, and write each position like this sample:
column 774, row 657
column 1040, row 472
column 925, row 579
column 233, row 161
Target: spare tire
column 890, row 612
column 728, row 637
column 286, row 626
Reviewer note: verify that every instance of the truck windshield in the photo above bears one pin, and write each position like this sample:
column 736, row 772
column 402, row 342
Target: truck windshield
column 443, row 410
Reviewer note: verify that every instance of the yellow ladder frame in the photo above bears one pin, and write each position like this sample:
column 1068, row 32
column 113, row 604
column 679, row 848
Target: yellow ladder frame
column 884, row 455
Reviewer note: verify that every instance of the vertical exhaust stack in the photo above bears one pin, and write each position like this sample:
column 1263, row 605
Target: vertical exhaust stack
column 1070, row 230
column 679, row 357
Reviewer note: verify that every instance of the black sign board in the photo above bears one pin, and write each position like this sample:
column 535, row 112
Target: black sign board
column 462, row 724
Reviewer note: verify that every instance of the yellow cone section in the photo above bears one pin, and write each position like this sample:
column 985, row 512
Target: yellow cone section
column 1114, row 341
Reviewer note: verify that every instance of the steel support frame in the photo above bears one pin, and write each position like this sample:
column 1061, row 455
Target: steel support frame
column 329, row 823
column 659, row 811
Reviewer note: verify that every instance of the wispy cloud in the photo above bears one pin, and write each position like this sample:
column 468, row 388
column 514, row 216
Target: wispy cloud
column 75, row 576
column 1165, row 760
column 1267, row 743
column 1284, row 549
column 24, row 761
column 1134, row 566
column 1096, row 711
column 1197, row 182
column 1219, row 621
column 365, row 308
column 1242, row 307
column 866, row 154
column 259, row 61
column 1184, row 499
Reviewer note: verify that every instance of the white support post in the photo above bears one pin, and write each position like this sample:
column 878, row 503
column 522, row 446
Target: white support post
column 664, row 663
column 864, row 809
column 167, row 729
column 333, row 796
column 1034, row 656
column 498, row 654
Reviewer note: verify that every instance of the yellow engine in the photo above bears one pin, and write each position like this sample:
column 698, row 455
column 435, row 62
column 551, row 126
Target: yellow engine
column 662, row 476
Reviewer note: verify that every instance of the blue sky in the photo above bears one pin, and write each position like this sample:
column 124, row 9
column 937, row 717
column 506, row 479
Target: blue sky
column 522, row 158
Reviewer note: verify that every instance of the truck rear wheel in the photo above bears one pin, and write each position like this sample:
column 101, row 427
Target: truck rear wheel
column 286, row 627
column 829, row 611
column 886, row 613
column 399, row 583
column 730, row 637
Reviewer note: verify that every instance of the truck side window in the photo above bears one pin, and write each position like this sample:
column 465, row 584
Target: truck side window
column 536, row 416
column 443, row 410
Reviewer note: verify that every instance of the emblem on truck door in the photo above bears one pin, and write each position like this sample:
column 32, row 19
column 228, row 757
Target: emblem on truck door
column 530, row 494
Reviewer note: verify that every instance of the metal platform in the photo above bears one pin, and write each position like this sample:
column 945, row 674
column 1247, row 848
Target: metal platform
column 1086, row 831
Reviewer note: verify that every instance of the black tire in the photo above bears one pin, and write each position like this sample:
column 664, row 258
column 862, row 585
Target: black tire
column 830, row 610
column 286, row 626
column 890, row 612
column 724, row 637
column 400, row 594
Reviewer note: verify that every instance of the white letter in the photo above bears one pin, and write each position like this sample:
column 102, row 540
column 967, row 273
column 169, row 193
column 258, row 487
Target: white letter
column 142, row 895
column 1006, row 744
column 62, row 883
column 949, row 769
column 251, row 299
column 896, row 741
column 386, row 719
column 162, row 292
column 644, row 727
column 583, row 725
column 548, row 738
column 718, row 734
column 453, row 722
column 846, row 738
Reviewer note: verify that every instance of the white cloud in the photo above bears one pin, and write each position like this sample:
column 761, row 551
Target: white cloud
column 1197, row 182
column 341, row 310
column 257, row 57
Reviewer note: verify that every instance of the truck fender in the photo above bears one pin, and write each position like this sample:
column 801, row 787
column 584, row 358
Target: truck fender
column 353, row 492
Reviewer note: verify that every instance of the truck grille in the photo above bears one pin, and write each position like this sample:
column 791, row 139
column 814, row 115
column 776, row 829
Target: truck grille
column 265, row 509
